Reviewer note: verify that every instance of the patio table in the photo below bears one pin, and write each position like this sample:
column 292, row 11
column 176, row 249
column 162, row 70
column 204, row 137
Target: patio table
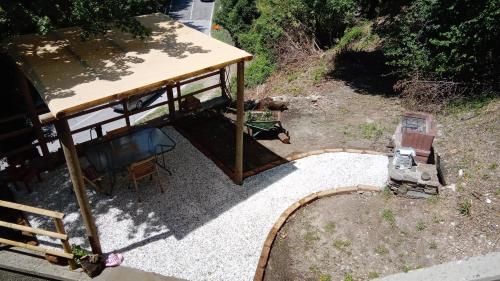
column 114, row 155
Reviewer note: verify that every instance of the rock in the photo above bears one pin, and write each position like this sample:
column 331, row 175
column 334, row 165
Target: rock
column 488, row 201
column 425, row 176
column 460, row 173
column 452, row 187
column 415, row 194
column 467, row 116
column 432, row 191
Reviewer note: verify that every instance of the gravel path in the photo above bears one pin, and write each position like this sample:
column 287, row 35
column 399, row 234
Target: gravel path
column 203, row 227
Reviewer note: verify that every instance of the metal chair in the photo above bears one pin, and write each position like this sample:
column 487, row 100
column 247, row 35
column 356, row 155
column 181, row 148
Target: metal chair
column 142, row 169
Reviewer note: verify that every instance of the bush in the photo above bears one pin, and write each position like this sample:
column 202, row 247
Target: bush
column 453, row 40
column 268, row 28
column 258, row 71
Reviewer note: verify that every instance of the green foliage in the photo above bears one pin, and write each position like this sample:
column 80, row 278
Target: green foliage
column 358, row 38
column 223, row 35
column 373, row 275
column 420, row 226
column 78, row 252
column 236, row 15
column 381, row 250
column 258, row 27
column 464, row 208
column 387, row 193
column 325, row 277
column 348, row 277
column 453, row 39
column 258, row 71
column 351, row 34
column 388, row 216
column 370, row 130
column 94, row 16
column 319, row 73
column 330, row 226
column 341, row 245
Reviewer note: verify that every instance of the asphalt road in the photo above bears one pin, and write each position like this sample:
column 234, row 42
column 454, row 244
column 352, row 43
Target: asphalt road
column 193, row 13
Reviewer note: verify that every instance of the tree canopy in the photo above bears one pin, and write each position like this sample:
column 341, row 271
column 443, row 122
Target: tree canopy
column 93, row 16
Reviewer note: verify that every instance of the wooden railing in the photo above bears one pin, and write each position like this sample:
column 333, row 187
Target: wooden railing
column 47, row 118
column 59, row 234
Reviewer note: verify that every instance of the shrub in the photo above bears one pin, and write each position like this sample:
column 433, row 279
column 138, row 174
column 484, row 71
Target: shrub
column 448, row 39
column 388, row 216
column 464, row 208
column 258, row 71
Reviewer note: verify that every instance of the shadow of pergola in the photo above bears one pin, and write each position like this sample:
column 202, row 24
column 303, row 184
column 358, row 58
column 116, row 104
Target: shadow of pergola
column 196, row 193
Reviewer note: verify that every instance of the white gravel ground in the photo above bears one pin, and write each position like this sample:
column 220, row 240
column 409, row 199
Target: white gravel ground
column 203, row 227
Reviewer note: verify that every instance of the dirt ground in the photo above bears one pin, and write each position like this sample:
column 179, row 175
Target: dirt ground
column 369, row 235
column 338, row 111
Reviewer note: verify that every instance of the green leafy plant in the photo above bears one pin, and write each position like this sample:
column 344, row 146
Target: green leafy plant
column 325, row 277
column 330, row 226
column 388, row 216
column 78, row 252
column 373, row 275
column 381, row 250
column 370, row 130
column 348, row 277
column 464, row 208
column 421, row 226
column 341, row 245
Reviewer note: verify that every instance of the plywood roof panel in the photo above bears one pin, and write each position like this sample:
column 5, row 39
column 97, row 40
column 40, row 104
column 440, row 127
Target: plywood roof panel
column 72, row 75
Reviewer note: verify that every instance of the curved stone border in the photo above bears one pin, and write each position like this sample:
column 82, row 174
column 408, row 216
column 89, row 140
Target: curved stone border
column 268, row 243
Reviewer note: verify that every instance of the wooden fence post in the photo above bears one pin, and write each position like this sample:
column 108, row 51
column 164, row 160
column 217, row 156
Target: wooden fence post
column 75, row 172
column 67, row 248
column 171, row 104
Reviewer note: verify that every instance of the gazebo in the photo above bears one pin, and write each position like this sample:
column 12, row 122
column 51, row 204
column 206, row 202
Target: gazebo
column 75, row 76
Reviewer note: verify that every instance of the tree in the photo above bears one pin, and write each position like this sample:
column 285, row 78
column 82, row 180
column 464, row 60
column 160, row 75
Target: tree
column 447, row 39
column 93, row 16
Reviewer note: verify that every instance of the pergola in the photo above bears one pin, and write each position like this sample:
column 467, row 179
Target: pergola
column 74, row 75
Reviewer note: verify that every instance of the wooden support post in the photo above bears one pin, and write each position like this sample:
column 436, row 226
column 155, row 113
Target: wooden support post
column 75, row 172
column 238, row 164
column 67, row 248
column 98, row 131
column 179, row 94
column 223, row 87
column 171, row 104
column 33, row 115
column 125, row 112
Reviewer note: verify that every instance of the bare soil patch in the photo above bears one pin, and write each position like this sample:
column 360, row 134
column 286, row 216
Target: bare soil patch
column 330, row 113
column 364, row 236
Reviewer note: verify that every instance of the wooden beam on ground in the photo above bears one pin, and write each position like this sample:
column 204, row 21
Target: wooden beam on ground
column 238, row 164
column 75, row 172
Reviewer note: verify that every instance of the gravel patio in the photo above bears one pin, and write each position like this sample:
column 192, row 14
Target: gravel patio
column 203, row 227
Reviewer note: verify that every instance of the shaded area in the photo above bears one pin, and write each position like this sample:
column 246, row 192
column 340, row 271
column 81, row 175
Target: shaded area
column 13, row 216
column 366, row 72
column 183, row 207
column 214, row 136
